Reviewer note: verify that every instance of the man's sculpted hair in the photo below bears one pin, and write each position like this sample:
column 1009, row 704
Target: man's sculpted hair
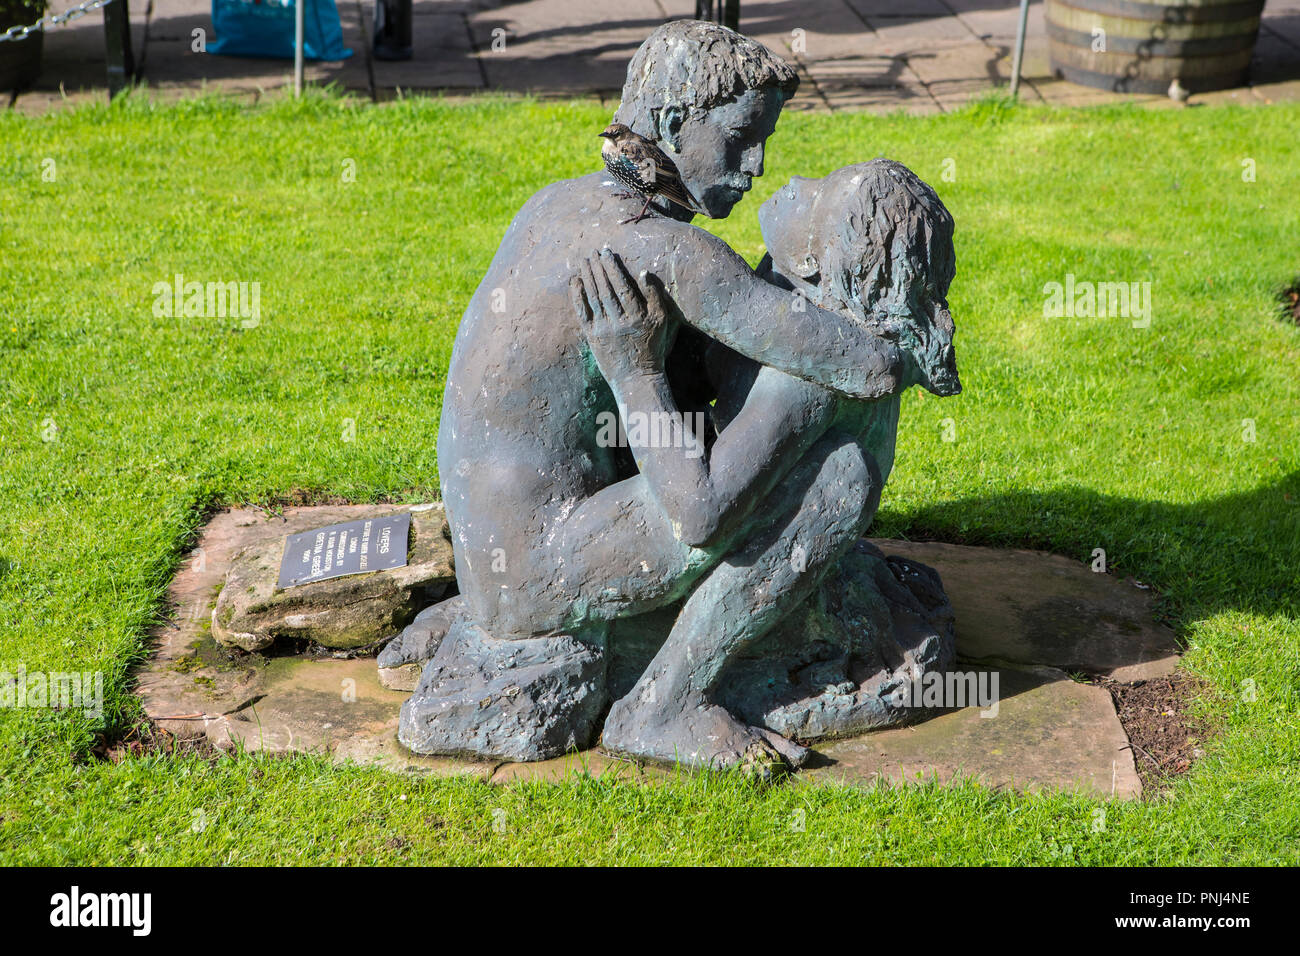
column 693, row 64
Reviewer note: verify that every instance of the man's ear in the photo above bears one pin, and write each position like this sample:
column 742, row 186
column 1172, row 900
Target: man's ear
column 668, row 126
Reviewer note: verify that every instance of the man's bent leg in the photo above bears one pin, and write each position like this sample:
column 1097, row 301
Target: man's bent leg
column 541, row 650
column 527, row 686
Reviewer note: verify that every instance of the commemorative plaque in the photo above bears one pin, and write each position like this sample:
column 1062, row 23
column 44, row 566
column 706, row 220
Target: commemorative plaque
column 353, row 547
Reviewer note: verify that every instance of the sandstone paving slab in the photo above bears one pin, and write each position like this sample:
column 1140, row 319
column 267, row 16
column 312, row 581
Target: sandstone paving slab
column 193, row 688
column 1046, row 732
column 1049, row 730
column 966, row 61
column 876, row 83
column 808, row 100
column 909, row 35
column 910, row 98
column 905, row 9
column 1000, row 20
column 1059, row 92
column 1032, row 608
column 824, row 31
column 38, row 102
column 589, row 763
column 171, row 62
column 954, row 94
column 551, row 68
column 884, row 72
column 1288, row 92
column 560, row 46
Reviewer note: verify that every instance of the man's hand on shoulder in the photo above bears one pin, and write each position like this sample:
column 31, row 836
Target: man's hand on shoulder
column 625, row 323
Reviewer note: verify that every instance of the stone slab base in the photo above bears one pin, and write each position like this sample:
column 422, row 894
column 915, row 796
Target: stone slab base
column 1048, row 732
column 1033, row 618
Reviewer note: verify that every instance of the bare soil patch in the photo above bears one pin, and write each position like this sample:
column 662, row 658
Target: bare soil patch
column 1166, row 737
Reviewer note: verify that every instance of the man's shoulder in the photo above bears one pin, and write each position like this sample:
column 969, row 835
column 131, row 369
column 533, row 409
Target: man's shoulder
column 567, row 190
column 592, row 200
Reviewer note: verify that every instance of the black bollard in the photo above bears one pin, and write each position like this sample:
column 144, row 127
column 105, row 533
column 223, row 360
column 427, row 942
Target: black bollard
column 726, row 12
column 392, row 30
column 117, row 42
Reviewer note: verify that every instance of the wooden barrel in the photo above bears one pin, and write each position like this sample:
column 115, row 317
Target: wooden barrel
column 1135, row 47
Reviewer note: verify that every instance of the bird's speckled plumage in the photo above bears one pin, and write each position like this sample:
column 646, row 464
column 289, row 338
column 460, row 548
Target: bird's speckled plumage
column 643, row 167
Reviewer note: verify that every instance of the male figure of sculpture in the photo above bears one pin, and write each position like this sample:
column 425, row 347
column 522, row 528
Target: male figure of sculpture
column 550, row 544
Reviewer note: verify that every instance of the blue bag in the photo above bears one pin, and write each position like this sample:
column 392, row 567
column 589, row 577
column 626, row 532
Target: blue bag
column 265, row 28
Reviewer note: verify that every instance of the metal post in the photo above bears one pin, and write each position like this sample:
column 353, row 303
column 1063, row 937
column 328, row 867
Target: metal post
column 1020, row 48
column 392, row 30
column 117, row 44
column 727, row 12
column 297, row 45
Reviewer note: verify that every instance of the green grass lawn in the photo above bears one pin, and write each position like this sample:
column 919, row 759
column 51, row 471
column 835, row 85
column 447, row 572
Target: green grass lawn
column 119, row 429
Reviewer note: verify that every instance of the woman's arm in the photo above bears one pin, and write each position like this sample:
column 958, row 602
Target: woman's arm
column 704, row 497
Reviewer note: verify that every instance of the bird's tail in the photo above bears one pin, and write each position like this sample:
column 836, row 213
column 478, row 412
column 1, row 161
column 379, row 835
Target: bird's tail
column 678, row 193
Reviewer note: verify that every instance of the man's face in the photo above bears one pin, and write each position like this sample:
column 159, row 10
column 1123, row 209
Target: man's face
column 722, row 148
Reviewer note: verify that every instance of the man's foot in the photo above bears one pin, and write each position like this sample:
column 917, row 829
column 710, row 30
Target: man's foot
column 701, row 736
column 403, row 658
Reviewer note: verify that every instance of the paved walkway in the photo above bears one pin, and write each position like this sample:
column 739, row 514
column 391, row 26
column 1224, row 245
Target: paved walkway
column 923, row 56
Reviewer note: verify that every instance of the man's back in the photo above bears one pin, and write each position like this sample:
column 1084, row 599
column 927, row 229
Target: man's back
column 521, row 379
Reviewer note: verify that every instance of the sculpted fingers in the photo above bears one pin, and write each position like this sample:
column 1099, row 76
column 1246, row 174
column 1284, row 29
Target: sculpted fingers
column 626, row 336
column 624, row 288
column 578, row 298
column 592, row 290
column 652, row 290
column 608, row 300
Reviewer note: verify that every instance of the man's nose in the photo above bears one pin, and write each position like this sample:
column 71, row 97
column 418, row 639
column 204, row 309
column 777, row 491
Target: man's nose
column 752, row 162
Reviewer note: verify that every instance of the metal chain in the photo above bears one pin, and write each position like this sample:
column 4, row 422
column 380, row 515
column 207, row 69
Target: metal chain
column 20, row 32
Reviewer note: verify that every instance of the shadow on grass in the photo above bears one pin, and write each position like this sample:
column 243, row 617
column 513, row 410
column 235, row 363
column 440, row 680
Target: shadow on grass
column 1238, row 552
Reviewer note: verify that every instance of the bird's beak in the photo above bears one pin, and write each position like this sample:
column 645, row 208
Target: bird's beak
column 605, row 134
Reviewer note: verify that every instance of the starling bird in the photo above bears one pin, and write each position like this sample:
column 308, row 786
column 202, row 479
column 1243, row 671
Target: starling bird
column 1177, row 92
column 640, row 165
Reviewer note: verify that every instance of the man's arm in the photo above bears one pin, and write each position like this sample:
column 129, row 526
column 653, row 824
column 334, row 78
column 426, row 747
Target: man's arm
column 716, row 291
column 703, row 498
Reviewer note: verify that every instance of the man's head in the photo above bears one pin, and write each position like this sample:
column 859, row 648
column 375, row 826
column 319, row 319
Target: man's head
column 710, row 98
column 875, row 241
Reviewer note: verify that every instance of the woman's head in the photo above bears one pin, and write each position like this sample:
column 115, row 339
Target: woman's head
column 874, row 241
